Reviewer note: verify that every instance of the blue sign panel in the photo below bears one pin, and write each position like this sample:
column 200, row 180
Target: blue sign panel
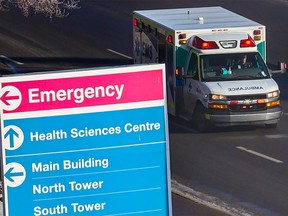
column 106, row 161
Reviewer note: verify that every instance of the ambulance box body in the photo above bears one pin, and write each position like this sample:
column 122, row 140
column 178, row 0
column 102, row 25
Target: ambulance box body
column 215, row 64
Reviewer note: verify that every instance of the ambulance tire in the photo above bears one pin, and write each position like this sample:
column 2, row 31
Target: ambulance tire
column 271, row 126
column 202, row 125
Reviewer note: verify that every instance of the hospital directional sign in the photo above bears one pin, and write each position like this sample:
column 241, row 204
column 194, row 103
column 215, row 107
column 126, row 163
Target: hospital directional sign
column 86, row 142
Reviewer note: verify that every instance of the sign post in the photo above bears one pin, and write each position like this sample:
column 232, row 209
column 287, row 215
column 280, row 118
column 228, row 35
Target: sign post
column 88, row 142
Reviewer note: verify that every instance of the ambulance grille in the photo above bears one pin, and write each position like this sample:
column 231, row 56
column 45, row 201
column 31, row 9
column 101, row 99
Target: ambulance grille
column 247, row 108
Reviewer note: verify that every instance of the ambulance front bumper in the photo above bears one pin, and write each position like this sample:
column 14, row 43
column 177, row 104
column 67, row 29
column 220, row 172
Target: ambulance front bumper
column 221, row 117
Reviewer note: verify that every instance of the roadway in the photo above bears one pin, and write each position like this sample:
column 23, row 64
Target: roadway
column 244, row 166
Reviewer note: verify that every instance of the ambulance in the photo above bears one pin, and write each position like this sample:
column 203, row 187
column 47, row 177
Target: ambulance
column 215, row 61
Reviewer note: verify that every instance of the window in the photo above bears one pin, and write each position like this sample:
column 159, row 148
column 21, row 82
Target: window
column 236, row 66
column 193, row 66
column 162, row 48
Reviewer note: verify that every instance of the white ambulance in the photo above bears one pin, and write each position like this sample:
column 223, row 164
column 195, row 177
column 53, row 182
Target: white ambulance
column 215, row 65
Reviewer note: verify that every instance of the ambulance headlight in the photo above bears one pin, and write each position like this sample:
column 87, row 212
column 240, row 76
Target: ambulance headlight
column 273, row 94
column 217, row 97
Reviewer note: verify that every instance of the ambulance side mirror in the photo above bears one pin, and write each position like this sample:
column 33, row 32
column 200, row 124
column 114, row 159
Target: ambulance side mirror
column 179, row 73
column 282, row 68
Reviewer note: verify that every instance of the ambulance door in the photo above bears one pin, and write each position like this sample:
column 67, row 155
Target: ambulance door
column 191, row 80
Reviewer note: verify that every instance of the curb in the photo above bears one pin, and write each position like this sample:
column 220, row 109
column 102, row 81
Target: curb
column 208, row 200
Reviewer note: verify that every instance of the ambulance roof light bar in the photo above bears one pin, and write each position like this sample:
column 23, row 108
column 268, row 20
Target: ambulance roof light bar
column 247, row 42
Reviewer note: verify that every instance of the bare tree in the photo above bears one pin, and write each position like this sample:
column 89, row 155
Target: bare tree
column 51, row 8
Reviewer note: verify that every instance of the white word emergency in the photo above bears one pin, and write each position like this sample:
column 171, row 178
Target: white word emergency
column 78, row 95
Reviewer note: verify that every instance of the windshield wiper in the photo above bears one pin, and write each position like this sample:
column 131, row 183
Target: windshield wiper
column 217, row 78
column 244, row 77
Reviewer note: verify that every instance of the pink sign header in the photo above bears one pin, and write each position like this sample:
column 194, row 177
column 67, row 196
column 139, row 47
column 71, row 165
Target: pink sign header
column 94, row 90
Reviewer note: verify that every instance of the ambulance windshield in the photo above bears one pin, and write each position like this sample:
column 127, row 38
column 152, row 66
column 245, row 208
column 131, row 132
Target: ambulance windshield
column 236, row 66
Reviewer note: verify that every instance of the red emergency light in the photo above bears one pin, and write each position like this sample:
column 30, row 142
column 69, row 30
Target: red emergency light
column 135, row 22
column 201, row 44
column 247, row 42
column 169, row 39
column 182, row 36
column 257, row 32
column 234, row 102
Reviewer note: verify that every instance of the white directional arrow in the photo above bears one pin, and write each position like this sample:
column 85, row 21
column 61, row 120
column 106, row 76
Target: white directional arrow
column 10, row 97
column 15, row 174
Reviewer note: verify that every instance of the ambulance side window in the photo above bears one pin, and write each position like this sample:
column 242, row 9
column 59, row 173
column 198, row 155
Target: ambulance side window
column 162, row 48
column 192, row 70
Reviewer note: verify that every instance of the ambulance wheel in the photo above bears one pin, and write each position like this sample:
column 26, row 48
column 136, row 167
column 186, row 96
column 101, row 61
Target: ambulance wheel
column 202, row 125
